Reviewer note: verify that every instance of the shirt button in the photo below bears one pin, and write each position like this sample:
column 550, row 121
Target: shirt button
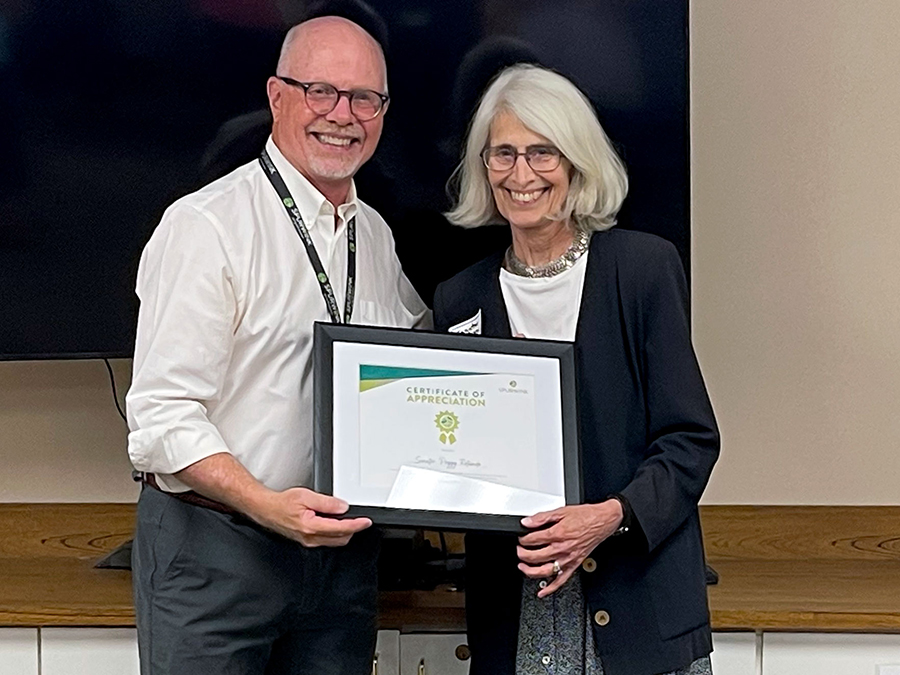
column 589, row 565
column 545, row 659
column 601, row 618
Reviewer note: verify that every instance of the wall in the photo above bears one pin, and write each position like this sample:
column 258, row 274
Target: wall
column 796, row 191
column 796, row 195
column 61, row 438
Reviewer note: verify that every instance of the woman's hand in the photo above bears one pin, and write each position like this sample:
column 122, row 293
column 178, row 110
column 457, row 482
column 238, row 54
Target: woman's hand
column 567, row 536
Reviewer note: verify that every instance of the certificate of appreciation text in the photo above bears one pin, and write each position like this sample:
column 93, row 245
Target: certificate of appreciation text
column 470, row 434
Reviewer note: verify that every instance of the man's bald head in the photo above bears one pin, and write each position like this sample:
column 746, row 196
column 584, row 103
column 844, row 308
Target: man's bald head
column 326, row 31
column 327, row 148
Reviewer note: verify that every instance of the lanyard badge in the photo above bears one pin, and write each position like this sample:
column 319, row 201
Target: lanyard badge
column 296, row 219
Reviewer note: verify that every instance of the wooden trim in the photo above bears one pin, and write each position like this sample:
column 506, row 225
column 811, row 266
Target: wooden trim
column 801, row 532
column 783, row 568
column 86, row 531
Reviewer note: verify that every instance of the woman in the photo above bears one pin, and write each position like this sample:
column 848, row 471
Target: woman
column 615, row 585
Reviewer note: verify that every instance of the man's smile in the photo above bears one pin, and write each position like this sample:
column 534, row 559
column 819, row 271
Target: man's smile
column 334, row 140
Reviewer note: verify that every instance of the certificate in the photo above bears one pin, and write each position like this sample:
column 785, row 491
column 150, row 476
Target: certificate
column 439, row 430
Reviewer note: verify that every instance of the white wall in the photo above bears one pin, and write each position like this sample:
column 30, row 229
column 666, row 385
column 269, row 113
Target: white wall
column 61, row 438
column 796, row 236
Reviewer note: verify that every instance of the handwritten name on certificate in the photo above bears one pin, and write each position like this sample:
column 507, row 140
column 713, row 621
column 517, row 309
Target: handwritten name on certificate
column 478, row 425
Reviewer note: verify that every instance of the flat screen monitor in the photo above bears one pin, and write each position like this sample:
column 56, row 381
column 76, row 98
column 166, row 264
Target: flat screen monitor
column 110, row 110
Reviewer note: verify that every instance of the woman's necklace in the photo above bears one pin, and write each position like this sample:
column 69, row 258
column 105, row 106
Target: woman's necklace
column 576, row 249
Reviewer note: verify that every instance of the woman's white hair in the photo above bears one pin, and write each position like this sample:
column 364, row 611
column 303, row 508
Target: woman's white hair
column 549, row 105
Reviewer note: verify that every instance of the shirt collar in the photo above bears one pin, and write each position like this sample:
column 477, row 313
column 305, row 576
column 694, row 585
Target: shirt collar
column 311, row 203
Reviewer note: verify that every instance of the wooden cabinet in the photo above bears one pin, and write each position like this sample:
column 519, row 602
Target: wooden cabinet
column 801, row 569
column 734, row 653
column 113, row 651
column 434, row 654
column 829, row 654
column 98, row 651
column 19, row 651
column 387, row 653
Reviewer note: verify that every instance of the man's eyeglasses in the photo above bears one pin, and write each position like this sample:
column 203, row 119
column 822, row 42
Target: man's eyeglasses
column 540, row 158
column 322, row 98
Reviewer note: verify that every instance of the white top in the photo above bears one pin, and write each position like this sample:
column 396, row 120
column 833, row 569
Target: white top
column 544, row 308
column 222, row 361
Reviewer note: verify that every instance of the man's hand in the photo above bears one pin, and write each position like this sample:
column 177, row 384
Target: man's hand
column 570, row 533
column 294, row 513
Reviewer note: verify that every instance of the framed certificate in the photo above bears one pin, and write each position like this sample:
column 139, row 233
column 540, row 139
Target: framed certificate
column 444, row 430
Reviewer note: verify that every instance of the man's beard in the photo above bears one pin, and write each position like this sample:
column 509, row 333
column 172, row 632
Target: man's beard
column 332, row 169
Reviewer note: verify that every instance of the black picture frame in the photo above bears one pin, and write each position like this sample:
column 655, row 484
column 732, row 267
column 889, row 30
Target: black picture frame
column 326, row 335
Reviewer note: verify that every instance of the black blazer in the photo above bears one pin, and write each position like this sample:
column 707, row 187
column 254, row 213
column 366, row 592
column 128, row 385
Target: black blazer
column 647, row 431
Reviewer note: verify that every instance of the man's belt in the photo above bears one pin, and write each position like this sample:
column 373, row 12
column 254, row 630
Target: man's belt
column 189, row 497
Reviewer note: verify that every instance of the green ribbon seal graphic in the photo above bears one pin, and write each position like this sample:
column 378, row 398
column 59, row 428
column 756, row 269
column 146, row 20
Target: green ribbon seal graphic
column 447, row 422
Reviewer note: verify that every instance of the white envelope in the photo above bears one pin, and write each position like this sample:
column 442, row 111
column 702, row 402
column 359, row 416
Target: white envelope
column 429, row 490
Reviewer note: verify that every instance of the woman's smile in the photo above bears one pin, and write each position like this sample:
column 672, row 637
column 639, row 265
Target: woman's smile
column 526, row 198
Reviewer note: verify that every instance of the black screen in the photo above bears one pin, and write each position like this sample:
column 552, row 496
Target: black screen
column 112, row 109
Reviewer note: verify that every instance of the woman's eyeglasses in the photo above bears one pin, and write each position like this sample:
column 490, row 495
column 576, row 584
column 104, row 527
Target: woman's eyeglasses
column 540, row 158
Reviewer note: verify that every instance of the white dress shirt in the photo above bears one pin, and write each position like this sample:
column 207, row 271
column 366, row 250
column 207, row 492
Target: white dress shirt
column 222, row 360
column 545, row 308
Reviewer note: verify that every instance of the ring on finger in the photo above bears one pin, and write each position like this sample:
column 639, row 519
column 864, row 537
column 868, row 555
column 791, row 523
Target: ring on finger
column 557, row 570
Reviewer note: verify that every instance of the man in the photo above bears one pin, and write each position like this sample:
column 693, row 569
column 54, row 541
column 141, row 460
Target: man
column 237, row 569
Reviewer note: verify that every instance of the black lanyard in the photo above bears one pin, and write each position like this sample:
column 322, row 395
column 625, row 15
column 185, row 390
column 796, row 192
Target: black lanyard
column 294, row 214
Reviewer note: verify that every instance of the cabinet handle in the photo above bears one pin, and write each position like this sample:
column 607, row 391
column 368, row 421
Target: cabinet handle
column 375, row 664
column 422, row 667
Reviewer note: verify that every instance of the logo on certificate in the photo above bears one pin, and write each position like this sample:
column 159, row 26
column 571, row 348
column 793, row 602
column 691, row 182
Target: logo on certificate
column 447, row 422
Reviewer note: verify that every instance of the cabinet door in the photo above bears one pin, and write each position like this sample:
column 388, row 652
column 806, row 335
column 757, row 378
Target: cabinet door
column 734, row 654
column 434, row 654
column 829, row 654
column 98, row 651
column 387, row 653
column 19, row 651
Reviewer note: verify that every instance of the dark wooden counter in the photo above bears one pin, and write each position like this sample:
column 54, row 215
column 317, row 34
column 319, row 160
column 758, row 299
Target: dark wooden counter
column 781, row 568
column 47, row 556
column 810, row 568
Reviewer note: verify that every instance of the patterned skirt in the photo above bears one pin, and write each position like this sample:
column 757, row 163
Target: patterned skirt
column 556, row 636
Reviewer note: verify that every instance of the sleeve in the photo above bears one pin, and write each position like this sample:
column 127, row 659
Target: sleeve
column 185, row 336
column 440, row 314
column 681, row 429
column 409, row 309
column 422, row 318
